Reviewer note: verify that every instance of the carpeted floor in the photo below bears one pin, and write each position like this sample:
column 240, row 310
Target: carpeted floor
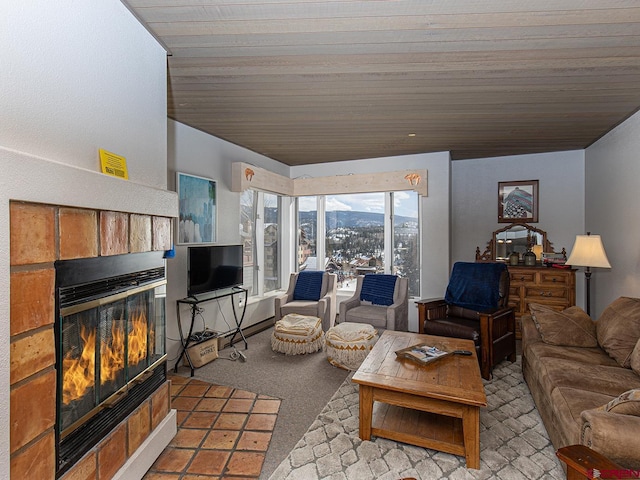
column 513, row 442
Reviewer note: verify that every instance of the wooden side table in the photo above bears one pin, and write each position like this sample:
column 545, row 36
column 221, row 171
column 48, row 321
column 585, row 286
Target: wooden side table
column 585, row 463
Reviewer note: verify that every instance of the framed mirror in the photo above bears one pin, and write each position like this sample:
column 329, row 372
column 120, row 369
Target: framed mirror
column 515, row 237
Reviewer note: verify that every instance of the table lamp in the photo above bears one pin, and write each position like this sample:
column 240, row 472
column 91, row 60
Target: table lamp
column 588, row 252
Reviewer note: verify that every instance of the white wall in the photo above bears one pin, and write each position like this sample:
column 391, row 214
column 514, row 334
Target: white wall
column 435, row 221
column 475, row 200
column 79, row 76
column 196, row 153
column 75, row 77
column 612, row 185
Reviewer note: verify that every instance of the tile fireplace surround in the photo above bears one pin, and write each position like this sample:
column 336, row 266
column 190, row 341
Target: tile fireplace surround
column 41, row 234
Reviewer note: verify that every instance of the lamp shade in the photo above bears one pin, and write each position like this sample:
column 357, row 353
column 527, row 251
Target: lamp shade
column 588, row 251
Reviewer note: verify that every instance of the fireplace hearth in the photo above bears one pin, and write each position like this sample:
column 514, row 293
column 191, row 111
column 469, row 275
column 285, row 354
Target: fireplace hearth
column 110, row 345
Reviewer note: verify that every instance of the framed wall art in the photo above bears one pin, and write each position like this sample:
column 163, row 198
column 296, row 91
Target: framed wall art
column 518, row 201
column 197, row 209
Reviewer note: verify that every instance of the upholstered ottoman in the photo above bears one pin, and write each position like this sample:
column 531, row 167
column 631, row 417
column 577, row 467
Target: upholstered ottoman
column 296, row 334
column 349, row 343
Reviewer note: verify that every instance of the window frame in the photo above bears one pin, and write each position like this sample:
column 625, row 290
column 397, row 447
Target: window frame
column 389, row 233
column 258, row 287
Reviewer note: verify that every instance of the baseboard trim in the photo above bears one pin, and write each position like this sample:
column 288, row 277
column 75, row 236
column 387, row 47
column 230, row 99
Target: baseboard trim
column 248, row 332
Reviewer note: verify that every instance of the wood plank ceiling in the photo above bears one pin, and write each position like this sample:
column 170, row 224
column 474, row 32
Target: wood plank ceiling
column 309, row 81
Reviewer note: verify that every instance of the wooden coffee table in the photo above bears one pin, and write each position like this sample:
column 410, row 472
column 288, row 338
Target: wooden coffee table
column 434, row 406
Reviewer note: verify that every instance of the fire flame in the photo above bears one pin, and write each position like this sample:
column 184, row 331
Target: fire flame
column 80, row 371
column 112, row 354
column 138, row 339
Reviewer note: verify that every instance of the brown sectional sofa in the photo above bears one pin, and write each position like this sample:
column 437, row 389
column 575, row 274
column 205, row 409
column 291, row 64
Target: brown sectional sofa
column 584, row 377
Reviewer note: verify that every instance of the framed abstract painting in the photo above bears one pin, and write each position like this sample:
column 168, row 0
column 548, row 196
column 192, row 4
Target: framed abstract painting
column 518, row 201
column 197, row 209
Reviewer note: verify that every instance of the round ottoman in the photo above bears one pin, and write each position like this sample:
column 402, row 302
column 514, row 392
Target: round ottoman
column 349, row 343
column 296, row 334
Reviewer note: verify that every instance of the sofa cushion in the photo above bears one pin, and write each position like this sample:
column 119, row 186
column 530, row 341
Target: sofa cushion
column 589, row 356
column 618, row 329
column 303, row 307
column 568, row 403
column 635, row 358
column 627, row 403
column 554, row 373
column 372, row 314
column 454, row 327
column 571, row 327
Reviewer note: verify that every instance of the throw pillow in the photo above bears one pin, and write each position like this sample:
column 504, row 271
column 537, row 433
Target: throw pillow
column 571, row 327
column 627, row 403
column 618, row 329
column 635, row 358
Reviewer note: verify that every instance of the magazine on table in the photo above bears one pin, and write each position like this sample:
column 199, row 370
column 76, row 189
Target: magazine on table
column 422, row 353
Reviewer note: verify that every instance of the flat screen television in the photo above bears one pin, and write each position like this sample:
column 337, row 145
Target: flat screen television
column 213, row 267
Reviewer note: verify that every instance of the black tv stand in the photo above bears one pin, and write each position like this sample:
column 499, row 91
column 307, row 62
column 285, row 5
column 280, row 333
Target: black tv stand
column 194, row 303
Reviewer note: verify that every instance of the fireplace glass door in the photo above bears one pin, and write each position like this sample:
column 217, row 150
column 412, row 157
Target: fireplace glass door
column 107, row 344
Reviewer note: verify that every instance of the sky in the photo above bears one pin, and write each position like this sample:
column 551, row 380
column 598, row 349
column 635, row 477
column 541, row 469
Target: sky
column 406, row 203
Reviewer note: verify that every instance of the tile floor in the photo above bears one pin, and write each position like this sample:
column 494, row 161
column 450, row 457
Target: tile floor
column 223, row 433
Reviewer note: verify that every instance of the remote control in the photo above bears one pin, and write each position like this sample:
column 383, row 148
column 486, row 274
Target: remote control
column 462, row 352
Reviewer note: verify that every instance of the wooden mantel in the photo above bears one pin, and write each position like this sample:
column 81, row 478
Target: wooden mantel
column 246, row 176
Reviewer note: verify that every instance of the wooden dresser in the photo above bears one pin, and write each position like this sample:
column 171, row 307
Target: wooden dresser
column 554, row 287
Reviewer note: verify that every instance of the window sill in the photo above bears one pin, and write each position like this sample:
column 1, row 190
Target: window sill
column 267, row 296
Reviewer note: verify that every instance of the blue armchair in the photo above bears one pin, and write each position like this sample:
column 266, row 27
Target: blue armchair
column 474, row 308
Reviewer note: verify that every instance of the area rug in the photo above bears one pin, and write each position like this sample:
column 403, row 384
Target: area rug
column 513, row 442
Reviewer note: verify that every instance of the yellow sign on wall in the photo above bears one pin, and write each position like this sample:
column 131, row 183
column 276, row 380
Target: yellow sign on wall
column 113, row 164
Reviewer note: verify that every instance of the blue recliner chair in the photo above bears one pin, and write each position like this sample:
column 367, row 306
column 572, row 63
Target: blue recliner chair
column 475, row 308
